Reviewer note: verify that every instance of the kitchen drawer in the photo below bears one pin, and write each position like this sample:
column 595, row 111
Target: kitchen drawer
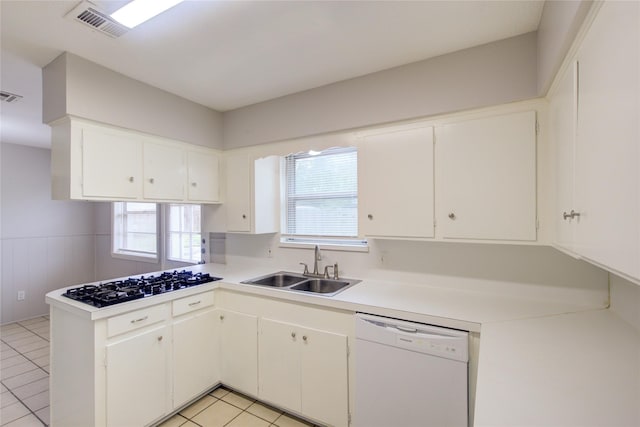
column 192, row 303
column 136, row 319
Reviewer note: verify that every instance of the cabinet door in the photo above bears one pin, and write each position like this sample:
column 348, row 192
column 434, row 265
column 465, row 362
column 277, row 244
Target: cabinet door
column 562, row 114
column 324, row 377
column 486, row 175
column 607, row 169
column 395, row 184
column 238, row 201
column 111, row 164
column 239, row 351
column 203, row 174
column 195, row 355
column 164, row 172
column 279, row 364
column 137, row 383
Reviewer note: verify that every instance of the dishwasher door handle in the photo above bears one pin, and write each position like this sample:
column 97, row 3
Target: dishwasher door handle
column 406, row 329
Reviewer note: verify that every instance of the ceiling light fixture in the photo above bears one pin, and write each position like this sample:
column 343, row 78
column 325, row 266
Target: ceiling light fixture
column 138, row 11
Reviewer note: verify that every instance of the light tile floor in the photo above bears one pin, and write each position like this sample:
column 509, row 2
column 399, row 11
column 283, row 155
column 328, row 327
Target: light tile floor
column 24, row 388
column 24, row 373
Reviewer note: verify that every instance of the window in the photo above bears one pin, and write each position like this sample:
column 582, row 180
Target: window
column 184, row 233
column 321, row 196
column 135, row 230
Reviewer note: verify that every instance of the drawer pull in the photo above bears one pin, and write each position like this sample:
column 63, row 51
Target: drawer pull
column 194, row 303
column 160, row 338
column 142, row 319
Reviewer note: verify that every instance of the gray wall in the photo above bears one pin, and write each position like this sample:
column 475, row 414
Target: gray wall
column 559, row 25
column 75, row 86
column 46, row 244
column 500, row 72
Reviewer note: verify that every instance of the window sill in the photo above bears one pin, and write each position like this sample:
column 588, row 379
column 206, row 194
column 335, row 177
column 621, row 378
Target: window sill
column 345, row 247
column 130, row 256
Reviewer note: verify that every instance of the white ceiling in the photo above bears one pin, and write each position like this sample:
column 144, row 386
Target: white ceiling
column 229, row 54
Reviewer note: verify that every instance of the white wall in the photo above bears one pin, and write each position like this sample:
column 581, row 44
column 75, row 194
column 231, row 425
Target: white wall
column 625, row 300
column 538, row 272
column 75, row 86
column 559, row 25
column 46, row 244
column 496, row 73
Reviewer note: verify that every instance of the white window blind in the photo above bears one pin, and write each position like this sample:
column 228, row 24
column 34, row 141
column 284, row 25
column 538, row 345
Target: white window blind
column 183, row 230
column 135, row 229
column 321, row 194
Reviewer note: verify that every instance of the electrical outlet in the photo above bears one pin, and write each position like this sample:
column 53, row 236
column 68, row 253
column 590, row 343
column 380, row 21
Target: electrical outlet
column 21, row 295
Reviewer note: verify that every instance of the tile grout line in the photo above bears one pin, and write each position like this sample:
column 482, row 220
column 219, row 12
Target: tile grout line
column 38, row 367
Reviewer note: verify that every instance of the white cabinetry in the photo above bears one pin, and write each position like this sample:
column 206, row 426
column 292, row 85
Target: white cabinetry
column 395, row 184
column 195, row 347
column 486, row 178
column 203, row 172
column 137, row 372
column 92, row 161
column 596, row 107
column 252, row 193
column 239, row 350
column 133, row 368
column 164, row 172
column 304, row 370
column 111, row 163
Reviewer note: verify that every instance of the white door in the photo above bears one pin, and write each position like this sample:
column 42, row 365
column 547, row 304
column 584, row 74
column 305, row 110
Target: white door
column 324, row 377
column 203, row 175
column 395, row 184
column 164, row 172
column 137, row 383
column 195, row 355
column 486, row 175
column 607, row 147
column 279, row 363
column 238, row 203
column 239, row 350
column 111, row 164
column 562, row 114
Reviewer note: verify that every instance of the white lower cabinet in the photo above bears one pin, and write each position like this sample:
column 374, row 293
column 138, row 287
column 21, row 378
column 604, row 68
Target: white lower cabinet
column 238, row 350
column 195, row 355
column 304, row 370
column 137, row 381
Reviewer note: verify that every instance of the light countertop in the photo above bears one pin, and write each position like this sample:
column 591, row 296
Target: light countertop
column 542, row 363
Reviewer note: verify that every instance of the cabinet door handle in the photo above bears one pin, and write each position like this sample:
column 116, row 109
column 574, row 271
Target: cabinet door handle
column 566, row 215
column 304, row 338
column 570, row 215
column 194, row 303
column 293, row 334
column 221, row 317
column 131, row 179
column 452, row 215
column 194, row 184
column 370, row 216
column 142, row 319
column 244, row 216
column 151, row 180
column 160, row 338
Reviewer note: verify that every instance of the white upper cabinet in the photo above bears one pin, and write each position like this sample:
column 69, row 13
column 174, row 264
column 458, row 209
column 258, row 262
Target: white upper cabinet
column 252, row 193
column 164, row 172
column 92, row 161
column 111, row 164
column 562, row 117
column 395, row 184
column 605, row 225
column 486, row 178
column 203, row 173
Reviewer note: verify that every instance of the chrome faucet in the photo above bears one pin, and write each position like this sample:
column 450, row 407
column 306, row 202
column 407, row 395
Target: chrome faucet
column 316, row 258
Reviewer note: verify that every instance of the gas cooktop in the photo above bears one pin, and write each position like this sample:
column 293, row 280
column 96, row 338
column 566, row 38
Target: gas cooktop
column 118, row 291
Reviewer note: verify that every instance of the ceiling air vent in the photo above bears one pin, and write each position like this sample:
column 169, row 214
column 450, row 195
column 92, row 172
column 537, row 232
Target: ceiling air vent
column 89, row 15
column 9, row 97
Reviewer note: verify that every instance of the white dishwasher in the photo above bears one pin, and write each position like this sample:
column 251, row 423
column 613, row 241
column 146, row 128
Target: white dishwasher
column 409, row 374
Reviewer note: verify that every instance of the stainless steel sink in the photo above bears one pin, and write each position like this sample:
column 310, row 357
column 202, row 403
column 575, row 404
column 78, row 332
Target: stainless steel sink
column 321, row 286
column 298, row 282
column 281, row 279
